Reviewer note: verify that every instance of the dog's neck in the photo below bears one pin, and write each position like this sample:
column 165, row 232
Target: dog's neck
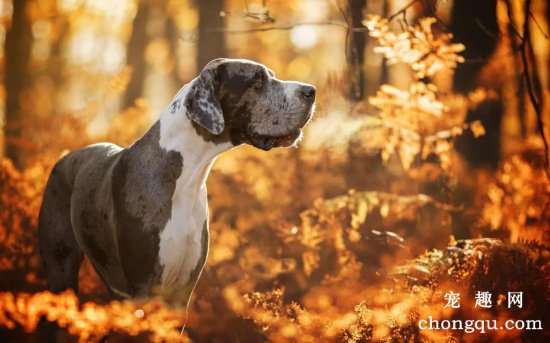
column 181, row 241
column 178, row 133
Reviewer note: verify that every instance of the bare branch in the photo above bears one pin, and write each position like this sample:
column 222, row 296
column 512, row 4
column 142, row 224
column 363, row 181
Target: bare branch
column 402, row 11
column 346, row 19
column 534, row 89
column 434, row 14
column 538, row 25
column 511, row 20
column 291, row 26
column 486, row 30
column 342, row 12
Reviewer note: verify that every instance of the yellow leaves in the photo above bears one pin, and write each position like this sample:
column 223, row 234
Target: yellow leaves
column 410, row 116
column 20, row 198
column 418, row 46
column 119, row 82
column 359, row 204
column 414, row 103
column 413, row 118
column 310, row 260
column 309, row 233
column 407, row 153
column 360, row 216
column 481, row 94
column 443, row 150
column 223, row 245
column 262, row 189
column 495, row 195
column 377, row 26
column 354, row 236
column 384, row 209
column 257, row 265
column 477, row 129
column 516, row 200
column 310, row 236
column 264, row 308
column 233, row 298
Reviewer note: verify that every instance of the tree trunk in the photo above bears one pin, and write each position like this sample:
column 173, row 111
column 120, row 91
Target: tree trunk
column 211, row 43
column 173, row 35
column 474, row 24
column 17, row 76
column 56, row 62
column 136, row 54
column 356, row 49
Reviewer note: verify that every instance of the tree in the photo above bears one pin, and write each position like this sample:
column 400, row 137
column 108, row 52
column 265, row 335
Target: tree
column 136, row 54
column 357, row 42
column 17, row 76
column 211, row 42
column 468, row 15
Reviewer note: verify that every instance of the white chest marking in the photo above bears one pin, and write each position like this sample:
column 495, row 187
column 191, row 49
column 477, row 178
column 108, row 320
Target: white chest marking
column 180, row 247
column 180, row 241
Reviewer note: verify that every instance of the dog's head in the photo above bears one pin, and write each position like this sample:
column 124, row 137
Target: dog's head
column 243, row 102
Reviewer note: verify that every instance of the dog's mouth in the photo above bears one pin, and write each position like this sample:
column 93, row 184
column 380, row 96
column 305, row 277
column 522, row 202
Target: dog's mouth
column 269, row 142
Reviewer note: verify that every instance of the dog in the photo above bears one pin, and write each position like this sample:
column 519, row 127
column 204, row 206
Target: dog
column 140, row 213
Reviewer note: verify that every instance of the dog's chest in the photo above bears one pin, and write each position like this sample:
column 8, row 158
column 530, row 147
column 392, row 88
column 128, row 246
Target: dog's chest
column 182, row 247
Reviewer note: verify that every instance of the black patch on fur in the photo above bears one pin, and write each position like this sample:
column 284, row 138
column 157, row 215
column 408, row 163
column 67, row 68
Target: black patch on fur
column 201, row 104
column 233, row 90
column 144, row 181
column 176, row 105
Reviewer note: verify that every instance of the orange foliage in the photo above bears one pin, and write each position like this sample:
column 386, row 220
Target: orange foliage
column 517, row 202
column 417, row 46
column 91, row 321
column 20, row 195
column 296, row 253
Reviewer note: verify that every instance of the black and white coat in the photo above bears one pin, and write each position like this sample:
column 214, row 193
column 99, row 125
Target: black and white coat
column 140, row 213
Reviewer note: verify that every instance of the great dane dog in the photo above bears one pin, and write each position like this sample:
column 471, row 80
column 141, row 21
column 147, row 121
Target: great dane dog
column 140, row 213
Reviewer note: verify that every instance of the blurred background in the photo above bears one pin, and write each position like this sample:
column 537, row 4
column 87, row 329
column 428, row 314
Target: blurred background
column 61, row 55
column 425, row 168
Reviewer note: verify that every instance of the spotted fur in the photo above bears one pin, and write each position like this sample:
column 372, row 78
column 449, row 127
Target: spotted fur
column 140, row 213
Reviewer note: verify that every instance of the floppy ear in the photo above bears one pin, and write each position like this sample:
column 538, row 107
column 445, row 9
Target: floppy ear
column 202, row 106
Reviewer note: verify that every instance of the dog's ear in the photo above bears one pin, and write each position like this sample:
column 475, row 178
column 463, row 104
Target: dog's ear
column 202, row 106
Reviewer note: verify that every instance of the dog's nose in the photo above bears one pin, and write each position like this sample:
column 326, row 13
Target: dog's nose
column 308, row 91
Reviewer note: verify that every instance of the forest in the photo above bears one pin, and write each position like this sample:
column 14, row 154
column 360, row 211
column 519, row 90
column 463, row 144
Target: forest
column 424, row 173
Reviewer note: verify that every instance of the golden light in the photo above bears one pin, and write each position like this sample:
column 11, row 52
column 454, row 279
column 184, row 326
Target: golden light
column 304, row 36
